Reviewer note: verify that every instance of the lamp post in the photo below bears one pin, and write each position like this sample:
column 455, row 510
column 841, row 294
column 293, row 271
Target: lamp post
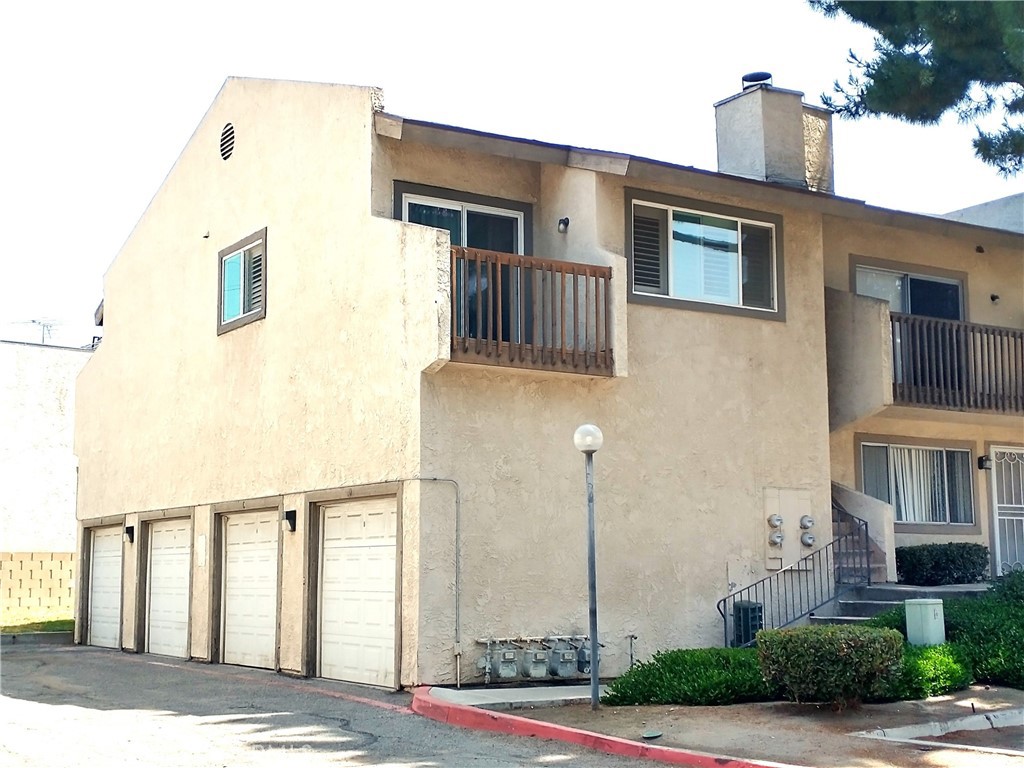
column 588, row 440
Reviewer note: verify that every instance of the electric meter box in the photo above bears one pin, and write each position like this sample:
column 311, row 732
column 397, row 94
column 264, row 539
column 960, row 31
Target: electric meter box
column 926, row 623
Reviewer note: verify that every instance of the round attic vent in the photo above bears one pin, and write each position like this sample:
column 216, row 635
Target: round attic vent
column 227, row 141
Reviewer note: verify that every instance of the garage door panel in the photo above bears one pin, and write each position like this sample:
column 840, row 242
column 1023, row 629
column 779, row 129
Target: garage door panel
column 250, row 589
column 105, row 588
column 357, row 610
column 170, row 552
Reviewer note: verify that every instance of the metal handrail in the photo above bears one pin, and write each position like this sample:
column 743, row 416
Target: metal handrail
column 797, row 590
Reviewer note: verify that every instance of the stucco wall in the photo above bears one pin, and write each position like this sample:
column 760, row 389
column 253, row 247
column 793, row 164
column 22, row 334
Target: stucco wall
column 859, row 346
column 998, row 270
column 715, row 410
column 38, row 470
column 319, row 394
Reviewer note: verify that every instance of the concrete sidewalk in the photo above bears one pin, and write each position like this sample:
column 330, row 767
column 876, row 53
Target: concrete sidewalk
column 517, row 698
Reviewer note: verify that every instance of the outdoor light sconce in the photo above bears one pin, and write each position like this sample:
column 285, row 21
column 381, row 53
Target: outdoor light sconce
column 129, row 534
column 563, row 224
column 985, row 462
column 288, row 520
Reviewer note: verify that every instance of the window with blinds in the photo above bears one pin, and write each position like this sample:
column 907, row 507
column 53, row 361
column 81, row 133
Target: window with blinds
column 703, row 256
column 923, row 484
column 242, row 282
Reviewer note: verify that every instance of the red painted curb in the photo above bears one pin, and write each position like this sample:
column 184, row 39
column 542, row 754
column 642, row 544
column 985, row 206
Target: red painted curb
column 427, row 705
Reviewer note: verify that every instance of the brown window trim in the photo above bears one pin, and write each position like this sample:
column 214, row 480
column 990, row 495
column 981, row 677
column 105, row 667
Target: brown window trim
column 942, row 529
column 910, row 268
column 639, row 195
column 252, row 317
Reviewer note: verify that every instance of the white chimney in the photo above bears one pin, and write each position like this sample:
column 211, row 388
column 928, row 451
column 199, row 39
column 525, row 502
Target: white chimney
column 769, row 134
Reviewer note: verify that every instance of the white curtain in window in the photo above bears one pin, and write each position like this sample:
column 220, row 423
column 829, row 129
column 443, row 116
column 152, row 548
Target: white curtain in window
column 919, row 485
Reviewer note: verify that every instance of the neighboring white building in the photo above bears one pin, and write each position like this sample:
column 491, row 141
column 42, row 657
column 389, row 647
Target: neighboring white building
column 38, row 478
column 1005, row 213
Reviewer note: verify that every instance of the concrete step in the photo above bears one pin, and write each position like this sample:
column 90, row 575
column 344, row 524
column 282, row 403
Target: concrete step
column 865, row 608
column 837, row 619
column 900, row 592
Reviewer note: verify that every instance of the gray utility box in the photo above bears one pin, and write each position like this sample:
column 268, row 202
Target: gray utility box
column 926, row 623
column 535, row 662
column 563, row 661
column 505, row 663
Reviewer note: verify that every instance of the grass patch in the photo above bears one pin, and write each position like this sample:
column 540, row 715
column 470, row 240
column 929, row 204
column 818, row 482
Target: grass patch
column 57, row 625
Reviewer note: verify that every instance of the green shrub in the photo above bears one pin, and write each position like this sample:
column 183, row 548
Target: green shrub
column 894, row 618
column 839, row 664
column 932, row 565
column 699, row 676
column 989, row 634
column 986, row 634
column 1009, row 588
column 928, row 671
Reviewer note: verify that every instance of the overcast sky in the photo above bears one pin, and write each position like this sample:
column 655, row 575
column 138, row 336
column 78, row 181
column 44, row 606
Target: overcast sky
column 101, row 97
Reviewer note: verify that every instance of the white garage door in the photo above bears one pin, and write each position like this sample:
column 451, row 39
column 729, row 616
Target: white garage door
column 167, row 610
column 250, row 589
column 105, row 588
column 357, row 592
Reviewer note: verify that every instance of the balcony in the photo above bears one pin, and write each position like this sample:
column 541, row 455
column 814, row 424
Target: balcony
column 524, row 312
column 957, row 365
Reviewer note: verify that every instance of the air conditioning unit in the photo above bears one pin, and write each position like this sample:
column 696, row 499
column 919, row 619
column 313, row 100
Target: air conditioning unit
column 747, row 619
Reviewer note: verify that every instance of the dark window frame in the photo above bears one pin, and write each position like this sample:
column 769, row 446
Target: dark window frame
column 251, row 317
column 947, row 528
column 403, row 188
column 640, row 196
column 912, row 270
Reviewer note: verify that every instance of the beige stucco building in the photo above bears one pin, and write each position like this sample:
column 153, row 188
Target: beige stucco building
column 38, row 475
column 329, row 430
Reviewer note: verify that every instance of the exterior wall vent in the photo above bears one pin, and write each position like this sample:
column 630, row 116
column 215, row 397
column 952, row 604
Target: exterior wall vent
column 227, row 141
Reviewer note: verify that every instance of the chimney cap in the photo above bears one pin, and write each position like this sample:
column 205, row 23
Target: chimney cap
column 752, row 79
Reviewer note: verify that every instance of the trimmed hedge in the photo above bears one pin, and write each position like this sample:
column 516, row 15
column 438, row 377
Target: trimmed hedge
column 1009, row 587
column 986, row 634
column 924, row 672
column 698, row 676
column 932, row 565
column 838, row 664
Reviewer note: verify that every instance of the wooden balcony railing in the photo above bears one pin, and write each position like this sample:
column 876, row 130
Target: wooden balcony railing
column 957, row 365
column 525, row 312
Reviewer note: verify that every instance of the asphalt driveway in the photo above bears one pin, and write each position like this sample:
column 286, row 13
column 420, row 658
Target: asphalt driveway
column 89, row 706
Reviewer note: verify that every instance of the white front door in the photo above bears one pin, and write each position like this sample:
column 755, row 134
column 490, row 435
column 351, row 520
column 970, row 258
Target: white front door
column 1008, row 507
column 168, row 587
column 105, row 588
column 249, row 599
column 357, row 591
